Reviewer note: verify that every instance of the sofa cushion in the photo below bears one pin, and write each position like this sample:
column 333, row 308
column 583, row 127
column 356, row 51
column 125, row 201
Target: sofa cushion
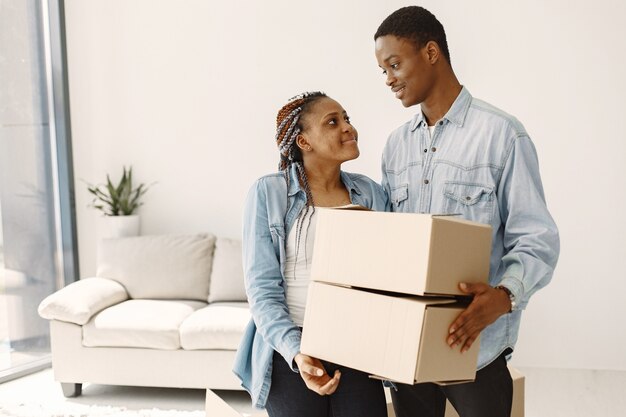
column 217, row 326
column 227, row 282
column 159, row 267
column 78, row 301
column 150, row 324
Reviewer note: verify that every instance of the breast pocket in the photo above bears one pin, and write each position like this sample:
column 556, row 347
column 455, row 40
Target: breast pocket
column 472, row 201
column 400, row 198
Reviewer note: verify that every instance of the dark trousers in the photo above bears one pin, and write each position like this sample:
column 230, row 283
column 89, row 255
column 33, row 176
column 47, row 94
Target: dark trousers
column 490, row 395
column 357, row 395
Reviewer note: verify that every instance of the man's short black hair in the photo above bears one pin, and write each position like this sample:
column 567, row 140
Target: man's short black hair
column 416, row 24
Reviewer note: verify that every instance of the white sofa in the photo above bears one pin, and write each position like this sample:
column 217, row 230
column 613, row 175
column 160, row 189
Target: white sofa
column 164, row 311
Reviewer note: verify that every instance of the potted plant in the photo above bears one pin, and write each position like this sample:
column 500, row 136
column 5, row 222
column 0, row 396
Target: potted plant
column 119, row 204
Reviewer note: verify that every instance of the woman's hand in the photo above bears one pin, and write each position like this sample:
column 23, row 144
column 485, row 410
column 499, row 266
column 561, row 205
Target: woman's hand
column 314, row 375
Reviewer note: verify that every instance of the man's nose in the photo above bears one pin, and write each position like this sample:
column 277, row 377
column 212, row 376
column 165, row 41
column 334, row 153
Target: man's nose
column 390, row 79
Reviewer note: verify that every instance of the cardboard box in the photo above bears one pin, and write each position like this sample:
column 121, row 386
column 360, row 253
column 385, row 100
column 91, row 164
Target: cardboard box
column 517, row 409
column 419, row 254
column 400, row 338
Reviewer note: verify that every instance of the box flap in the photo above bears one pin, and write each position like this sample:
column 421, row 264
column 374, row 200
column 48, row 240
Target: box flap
column 426, row 299
column 347, row 207
column 434, row 350
column 446, row 383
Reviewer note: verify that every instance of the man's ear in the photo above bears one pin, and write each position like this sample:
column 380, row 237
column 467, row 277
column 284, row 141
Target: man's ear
column 303, row 143
column 433, row 53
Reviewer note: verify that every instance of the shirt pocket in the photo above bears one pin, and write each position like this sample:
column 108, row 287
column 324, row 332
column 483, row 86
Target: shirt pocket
column 400, row 198
column 472, row 201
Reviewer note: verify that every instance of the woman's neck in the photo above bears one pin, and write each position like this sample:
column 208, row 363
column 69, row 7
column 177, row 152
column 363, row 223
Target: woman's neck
column 324, row 178
column 326, row 186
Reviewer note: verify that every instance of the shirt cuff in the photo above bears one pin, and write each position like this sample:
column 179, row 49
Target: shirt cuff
column 290, row 348
column 516, row 287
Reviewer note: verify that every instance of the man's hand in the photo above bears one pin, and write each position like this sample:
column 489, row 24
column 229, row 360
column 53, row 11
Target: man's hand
column 314, row 375
column 488, row 304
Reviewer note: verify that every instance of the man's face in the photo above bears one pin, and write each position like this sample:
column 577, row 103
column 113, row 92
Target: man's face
column 408, row 70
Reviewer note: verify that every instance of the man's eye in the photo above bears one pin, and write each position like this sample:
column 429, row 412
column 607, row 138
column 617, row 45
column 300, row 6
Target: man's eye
column 394, row 66
column 384, row 72
column 332, row 121
column 347, row 119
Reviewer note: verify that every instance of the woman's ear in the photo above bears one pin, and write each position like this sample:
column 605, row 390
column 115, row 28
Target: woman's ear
column 302, row 143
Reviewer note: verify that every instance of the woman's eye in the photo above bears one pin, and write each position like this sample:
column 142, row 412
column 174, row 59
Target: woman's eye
column 384, row 72
column 394, row 66
column 332, row 121
column 347, row 119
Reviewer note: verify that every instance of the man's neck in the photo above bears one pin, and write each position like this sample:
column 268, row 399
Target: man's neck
column 441, row 99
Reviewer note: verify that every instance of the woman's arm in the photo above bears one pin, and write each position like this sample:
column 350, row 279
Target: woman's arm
column 263, row 276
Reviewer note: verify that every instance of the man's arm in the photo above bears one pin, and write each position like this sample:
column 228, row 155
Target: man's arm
column 531, row 242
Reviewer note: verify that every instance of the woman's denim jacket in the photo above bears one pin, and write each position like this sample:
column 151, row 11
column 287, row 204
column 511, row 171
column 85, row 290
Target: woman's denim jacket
column 270, row 212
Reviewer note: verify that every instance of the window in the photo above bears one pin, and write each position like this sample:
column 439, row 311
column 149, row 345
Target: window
column 37, row 226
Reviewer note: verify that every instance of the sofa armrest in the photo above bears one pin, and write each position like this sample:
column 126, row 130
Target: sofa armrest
column 80, row 300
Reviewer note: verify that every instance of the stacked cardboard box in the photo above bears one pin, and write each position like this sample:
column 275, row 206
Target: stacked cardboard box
column 382, row 296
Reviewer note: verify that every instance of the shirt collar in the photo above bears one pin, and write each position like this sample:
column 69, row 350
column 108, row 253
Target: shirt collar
column 295, row 187
column 456, row 113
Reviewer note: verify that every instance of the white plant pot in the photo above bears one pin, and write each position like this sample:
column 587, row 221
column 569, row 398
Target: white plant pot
column 119, row 226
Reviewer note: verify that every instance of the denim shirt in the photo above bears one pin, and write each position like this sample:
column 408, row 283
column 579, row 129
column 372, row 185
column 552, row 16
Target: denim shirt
column 270, row 212
column 482, row 165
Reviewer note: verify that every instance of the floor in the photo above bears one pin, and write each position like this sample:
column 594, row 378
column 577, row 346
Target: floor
column 549, row 392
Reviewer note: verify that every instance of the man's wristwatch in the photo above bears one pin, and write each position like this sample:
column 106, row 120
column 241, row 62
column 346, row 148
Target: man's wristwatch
column 510, row 294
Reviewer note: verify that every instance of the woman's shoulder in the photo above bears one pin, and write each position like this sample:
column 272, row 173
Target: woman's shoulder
column 275, row 180
column 267, row 188
column 372, row 194
column 361, row 180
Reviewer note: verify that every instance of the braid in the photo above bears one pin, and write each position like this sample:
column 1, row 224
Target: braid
column 288, row 127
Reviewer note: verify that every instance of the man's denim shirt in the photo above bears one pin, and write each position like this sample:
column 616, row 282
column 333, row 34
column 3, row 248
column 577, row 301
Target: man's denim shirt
column 482, row 165
column 270, row 212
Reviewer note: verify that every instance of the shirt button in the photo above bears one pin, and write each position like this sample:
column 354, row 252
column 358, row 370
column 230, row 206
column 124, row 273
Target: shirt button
column 433, row 149
column 425, row 150
column 468, row 198
column 440, row 122
column 426, row 181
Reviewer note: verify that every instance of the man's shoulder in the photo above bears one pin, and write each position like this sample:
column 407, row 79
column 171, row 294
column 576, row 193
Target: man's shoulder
column 486, row 112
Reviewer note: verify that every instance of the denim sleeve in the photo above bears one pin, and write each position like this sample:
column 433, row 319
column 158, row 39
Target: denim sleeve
column 263, row 278
column 385, row 183
column 531, row 238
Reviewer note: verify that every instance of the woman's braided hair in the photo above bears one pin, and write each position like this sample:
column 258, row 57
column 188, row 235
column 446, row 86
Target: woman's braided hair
column 288, row 127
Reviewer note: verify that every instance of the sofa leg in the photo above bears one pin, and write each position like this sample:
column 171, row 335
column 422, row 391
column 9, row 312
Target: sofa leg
column 71, row 389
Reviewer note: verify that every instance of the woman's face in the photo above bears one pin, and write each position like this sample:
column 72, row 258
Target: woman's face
column 327, row 134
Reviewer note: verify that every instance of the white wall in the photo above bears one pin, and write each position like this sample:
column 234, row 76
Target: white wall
column 187, row 92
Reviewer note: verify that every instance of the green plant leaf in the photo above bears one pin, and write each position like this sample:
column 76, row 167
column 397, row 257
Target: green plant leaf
column 117, row 199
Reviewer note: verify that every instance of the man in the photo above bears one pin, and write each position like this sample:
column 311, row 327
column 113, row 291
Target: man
column 462, row 155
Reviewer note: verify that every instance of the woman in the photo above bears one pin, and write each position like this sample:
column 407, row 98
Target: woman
column 314, row 137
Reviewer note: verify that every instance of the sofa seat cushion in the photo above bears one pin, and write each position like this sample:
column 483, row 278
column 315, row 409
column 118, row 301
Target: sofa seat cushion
column 152, row 324
column 216, row 326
